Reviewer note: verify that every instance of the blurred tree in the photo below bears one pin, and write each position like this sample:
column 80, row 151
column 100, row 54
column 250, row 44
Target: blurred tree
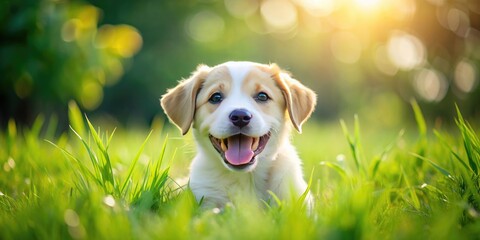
column 365, row 56
column 52, row 52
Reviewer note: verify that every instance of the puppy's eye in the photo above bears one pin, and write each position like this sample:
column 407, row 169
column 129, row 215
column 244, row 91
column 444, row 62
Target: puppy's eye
column 215, row 98
column 262, row 97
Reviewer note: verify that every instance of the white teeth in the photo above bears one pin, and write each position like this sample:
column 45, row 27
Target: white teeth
column 222, row 144
column 255, row 143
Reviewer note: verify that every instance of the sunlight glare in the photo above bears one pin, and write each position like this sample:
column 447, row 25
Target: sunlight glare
column 318, row 8
column 367, row 4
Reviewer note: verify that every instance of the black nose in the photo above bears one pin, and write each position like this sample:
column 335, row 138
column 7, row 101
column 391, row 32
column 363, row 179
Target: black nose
column 240, row 117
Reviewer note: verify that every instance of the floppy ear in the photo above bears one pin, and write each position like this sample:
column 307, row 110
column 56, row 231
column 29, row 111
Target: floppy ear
column 299, row 99
column 179, row 102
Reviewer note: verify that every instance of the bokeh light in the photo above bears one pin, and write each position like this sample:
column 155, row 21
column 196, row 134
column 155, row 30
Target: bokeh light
column 404, row 9
column 382, row 61
column 406, row 51
column 465, row 76
column 70, row 30
column 91, row 94
column 437, row 2
column 123, row 40
column 280, row 15
column 82, row 25
column 205, row 26
column 114, row 70
column 454, row 19
column 88, row 16
column 241, row 8
column 430, row 85
column 458, row 22
column 318, row 8
column 71, row 218
column 110, row 201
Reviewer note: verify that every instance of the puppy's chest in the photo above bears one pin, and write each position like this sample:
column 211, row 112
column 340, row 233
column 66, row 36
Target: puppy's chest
column 258, row 186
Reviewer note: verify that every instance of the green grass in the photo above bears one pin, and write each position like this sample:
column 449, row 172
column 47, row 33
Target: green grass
column 94, row 183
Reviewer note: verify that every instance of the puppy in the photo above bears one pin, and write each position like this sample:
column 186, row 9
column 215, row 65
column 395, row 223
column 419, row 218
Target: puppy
column 241, row 114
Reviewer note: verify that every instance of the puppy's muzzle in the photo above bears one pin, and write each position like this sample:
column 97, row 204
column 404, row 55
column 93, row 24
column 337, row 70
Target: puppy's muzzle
column 240, row 151
column 240, row 117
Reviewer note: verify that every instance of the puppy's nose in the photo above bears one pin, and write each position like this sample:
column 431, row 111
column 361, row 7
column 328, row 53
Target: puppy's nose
column 240, row 117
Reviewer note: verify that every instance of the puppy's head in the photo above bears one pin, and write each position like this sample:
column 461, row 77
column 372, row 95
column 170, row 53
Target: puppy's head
column 239, row 109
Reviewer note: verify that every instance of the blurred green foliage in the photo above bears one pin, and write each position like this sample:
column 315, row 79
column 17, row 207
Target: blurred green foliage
column 52, row 52
column 361, row 56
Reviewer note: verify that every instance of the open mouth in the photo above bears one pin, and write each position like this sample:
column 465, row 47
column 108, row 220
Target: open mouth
column 239, row 151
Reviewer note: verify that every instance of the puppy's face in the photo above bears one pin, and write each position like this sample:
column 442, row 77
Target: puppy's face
column 238, row 109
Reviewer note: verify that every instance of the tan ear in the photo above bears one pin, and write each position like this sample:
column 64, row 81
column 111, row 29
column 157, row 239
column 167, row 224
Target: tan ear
column 179, row 102
column 300, row 100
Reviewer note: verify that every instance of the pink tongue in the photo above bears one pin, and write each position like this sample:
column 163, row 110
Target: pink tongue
column 239, row 150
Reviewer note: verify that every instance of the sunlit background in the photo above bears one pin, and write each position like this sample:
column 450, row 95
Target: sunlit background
column 116, row 58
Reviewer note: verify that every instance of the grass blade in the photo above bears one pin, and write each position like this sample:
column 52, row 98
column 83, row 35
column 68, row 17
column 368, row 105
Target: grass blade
column 422, row 126
column 471, row 142
column 162, row 155
column 75, row 118
column 93, row 158
column 335, row 167
column 354, row 144
column 383, row 155
column 449, row 147
column 411, row 190
column 443, row 171
column 83, row 169
column 134, row 163
column 106, row 165
column 303, row 197
column 351, row 143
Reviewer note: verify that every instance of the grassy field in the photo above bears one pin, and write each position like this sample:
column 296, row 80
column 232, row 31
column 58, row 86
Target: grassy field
column 97, row 183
